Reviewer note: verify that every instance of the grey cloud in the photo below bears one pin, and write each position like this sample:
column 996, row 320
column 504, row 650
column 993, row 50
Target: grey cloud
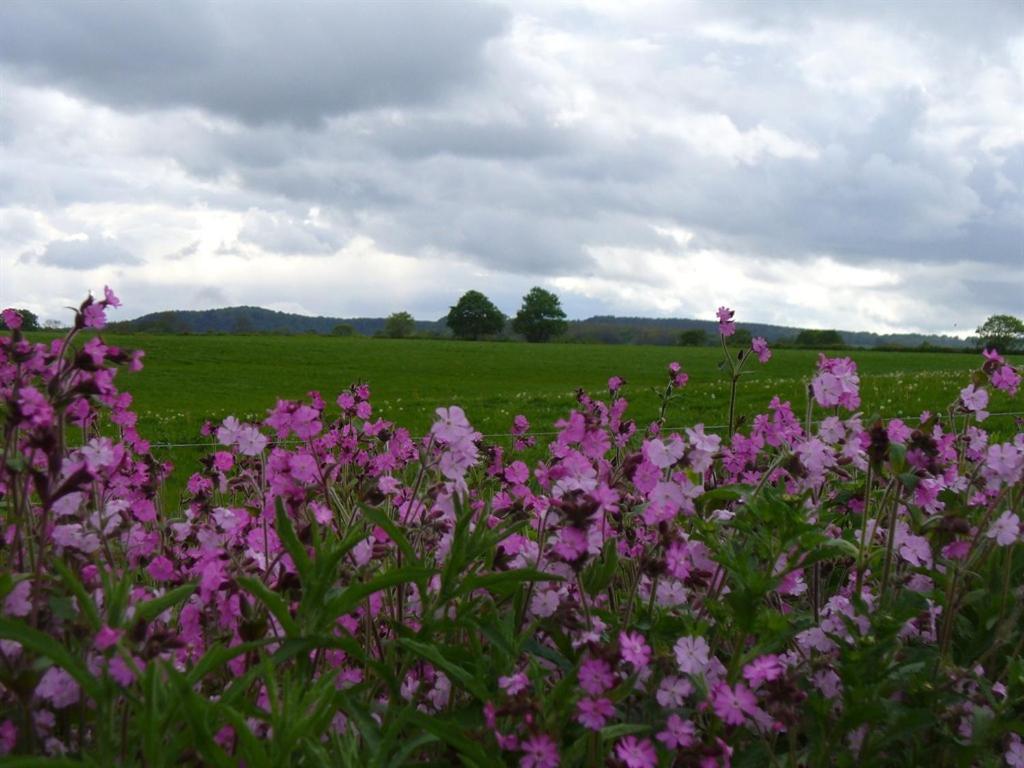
column 283, row 234
column 254, row 61
column 85, row 254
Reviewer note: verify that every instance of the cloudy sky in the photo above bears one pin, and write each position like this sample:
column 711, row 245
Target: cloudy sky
column 827, row 164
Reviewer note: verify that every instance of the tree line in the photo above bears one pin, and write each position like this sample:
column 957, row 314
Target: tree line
column 474, row 317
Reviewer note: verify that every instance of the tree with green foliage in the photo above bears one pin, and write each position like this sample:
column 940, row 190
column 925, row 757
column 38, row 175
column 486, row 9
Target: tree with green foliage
column 741, row 338
column 475, row 316
column 810, row 337
column 693, row 337
column 343, row 329
column 1003, row 333
column 541, row 317
column 399, row 325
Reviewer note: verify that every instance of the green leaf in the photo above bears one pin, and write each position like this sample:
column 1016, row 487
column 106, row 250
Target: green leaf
column 377, row 517
column 499, row 581
column 291, row 542
column 350, row 597
column 622, row 729
column 275, row 604
column 149, row 610
column 433, row 654
column 85, row 600
column 453, row 734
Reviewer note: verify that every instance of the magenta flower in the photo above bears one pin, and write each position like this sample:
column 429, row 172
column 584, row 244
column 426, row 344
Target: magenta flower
column 760, row 347
column 11, row 319
column 763, row 669
column 596, row 676
column 974, row 399
column 594, row 713
column 678, row 733
column 106, row 638
column 726, row 327
column 614, row 383
column 634, row 649
column 636, row 753
column 1014, row 754
column 732, row 705
column 1006, row 379
column 1005, row 530
column 539, row 751
column 837, row 383
column 514, row 684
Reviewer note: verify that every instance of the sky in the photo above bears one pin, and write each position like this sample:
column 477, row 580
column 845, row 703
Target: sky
column 828, row 164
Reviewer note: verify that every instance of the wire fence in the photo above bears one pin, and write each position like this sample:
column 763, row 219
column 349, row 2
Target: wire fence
column 552, row 433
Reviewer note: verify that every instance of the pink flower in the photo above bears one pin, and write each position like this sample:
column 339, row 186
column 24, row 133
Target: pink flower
column 1014, row 754
column 760, row 347
column 160, row 569
column 121, row 672
column 513, row 684
column 1005, row 530
column 678, row 733
column 974, row 399
column 636, row 753
column 837, row 383
column 539, row 751
column 19, row 599
column 58, row 687
column 106, row 638
column 692, row 654
column 593, row 713
column 109, row 299
column 223, row 461
column 732, row 705
column 615, row 383
column 672, row 691
column 1006, row 379
column 11, row 318
column 634, row 649
column 726, row 327
column 596, row 676
column 93, row 316
column 763, row 669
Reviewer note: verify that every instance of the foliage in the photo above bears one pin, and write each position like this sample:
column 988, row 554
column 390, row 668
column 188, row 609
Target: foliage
column 474, row 316
column 399, row 325
column 1003, row 333
column 839, row 591
column 818, row 339
column 541, row 317
column 343, row 329
column 694, row 337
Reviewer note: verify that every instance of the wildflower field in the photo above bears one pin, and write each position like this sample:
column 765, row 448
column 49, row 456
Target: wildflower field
column 709, row 558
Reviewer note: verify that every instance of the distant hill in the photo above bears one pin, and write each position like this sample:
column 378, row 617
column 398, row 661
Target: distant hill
column 646, row 330
column 255, row 320
column 601, row 329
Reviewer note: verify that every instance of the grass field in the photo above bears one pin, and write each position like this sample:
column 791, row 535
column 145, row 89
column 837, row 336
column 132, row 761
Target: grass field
column 188, row 379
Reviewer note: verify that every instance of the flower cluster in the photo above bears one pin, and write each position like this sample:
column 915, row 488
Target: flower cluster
column 333, row 590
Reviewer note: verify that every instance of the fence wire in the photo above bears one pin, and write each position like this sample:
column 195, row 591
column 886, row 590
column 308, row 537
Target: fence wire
column 509, row 435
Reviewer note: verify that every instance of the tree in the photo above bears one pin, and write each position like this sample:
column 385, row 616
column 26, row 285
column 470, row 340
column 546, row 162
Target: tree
column 399, row 325
column 741, row 338
column 815, row 338
column 343, row 329
column 1003, row 333
column 475, row 316
column 541, row 317
column 694, row 337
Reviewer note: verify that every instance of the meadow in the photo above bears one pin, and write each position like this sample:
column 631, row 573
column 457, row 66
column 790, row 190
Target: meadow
column 190, row 379
column 324, row 592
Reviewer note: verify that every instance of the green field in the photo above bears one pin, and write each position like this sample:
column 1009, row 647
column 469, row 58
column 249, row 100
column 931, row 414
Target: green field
column 188, row 379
